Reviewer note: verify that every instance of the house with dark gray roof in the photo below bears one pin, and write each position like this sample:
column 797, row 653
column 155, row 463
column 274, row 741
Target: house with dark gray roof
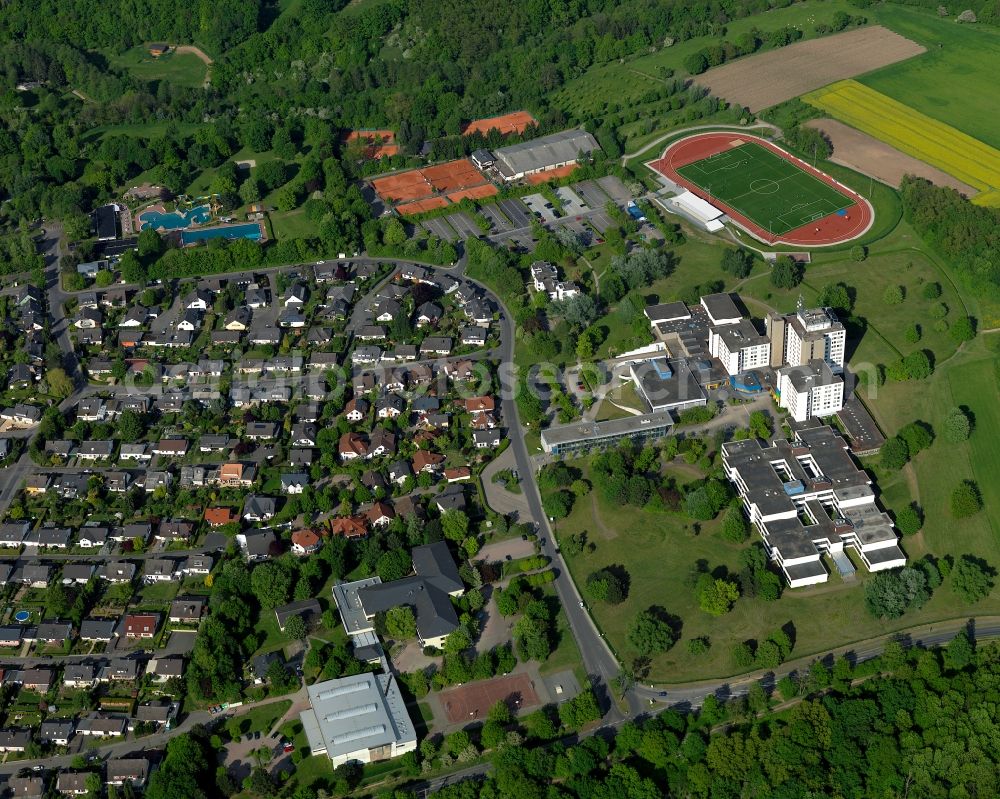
column 428, row 592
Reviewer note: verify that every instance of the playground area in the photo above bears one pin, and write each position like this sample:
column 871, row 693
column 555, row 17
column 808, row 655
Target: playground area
column 473, row 702
column 773, row 195
column 437, row 186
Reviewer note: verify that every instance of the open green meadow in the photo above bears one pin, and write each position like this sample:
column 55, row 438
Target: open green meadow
column 954, row 81
column 770, row 191
column 179, row 69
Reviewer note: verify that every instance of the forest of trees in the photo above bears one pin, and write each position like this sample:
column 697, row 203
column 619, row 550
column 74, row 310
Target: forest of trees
column 967, row 235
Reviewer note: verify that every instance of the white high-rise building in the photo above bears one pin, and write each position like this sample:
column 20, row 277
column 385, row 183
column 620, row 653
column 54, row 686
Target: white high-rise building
column 806, row 335
column 810, row 391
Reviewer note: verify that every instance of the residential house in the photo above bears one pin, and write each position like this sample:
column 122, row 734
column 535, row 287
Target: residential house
column 258, row 508
column 101, row 725
column 56, row 732
column 79, row 675
column 141, row 625
column 72, row 783
column 352, row 446
column 171, row 447
column 349, row 526
column 486, row 439
column 117, row 572
column 197, row 565
column 390, row 406
column 187, row 610
column 294, row 482
column 257, row 544
column 217, row 517
column 356, row 410
column 473, row 336
column 306, row 609
column 77, row 573
column 380, row 514
column 305, row 542
column 98, row 630
column 159, row 570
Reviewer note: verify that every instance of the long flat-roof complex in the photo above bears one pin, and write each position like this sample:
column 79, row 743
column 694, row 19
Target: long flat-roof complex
column 543, row 153
column 667, row 384
column 361, row 719
column 809, row 498
column 583, row 436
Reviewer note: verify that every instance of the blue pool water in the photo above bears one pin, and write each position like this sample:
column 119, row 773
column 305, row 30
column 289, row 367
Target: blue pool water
column 22, row 616
column 174, row 220
column 248, row 231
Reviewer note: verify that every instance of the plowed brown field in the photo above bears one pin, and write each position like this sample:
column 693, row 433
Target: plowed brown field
column 763, row 80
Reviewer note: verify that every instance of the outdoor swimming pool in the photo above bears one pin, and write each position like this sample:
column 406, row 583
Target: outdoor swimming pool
column 174, row 220
column 251, row 231
column 22, row 616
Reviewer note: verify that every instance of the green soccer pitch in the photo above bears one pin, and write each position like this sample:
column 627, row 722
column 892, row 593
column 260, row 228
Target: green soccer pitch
column 770, row 191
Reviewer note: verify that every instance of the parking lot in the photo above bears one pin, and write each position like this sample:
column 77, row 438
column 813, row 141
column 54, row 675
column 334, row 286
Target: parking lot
column 600, row 220
column 516, row 212
column 591, row 193
column 463, row 223
column 440, row 228
column 495, row 217
column 538, row 205
column 572, row 204
column 580, row 228
column 615, row 189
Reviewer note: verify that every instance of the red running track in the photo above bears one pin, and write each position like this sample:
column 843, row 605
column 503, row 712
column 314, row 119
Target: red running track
column 831, row 229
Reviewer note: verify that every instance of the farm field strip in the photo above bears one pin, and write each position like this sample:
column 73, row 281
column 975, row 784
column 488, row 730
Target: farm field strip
column 760, row 81
column 912, row 132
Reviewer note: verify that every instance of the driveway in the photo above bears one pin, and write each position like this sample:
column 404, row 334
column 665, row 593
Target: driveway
column 497, row 496
column 513, row 547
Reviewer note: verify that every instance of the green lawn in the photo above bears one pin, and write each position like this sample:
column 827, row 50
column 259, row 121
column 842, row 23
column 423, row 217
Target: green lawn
column 291, row 225
column 263, row 718
column 766, row 188
column 954, row 80
column 180, row 69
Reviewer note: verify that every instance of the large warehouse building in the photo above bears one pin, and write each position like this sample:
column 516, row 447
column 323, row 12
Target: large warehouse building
column 544, row 153
column 361, row 718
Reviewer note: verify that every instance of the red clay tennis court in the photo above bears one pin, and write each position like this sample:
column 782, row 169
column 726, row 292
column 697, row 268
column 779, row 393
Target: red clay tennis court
column 551, row 174
column 475, row 193
column 514, row 122
column 434, row 186
column 420, row 206
column 379, row 142
column 835, row 228
column 452, row 175
column 472, row 702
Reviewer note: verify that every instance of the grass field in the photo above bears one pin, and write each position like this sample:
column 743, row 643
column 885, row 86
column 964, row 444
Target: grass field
column 767, row 189
column 914, row 133
column 954, row 81
column 179, row 69
column 658, row 548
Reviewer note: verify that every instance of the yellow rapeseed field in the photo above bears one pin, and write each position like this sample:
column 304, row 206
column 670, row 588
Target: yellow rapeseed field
column 913, row 133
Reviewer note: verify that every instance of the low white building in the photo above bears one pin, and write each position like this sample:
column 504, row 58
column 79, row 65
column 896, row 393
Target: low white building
column 810, row 391
column 808, row 499
column 359, row 719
